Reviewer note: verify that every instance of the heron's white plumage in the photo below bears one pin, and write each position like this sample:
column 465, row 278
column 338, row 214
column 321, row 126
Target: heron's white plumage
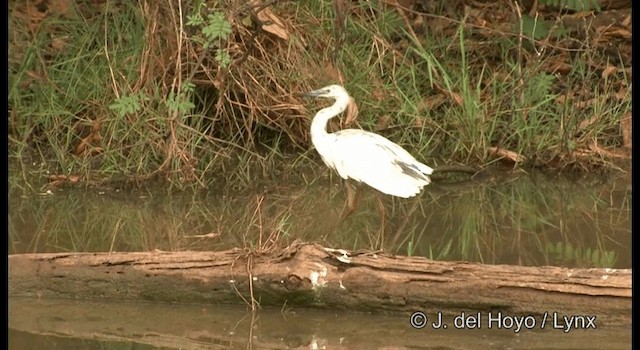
column 364, row 156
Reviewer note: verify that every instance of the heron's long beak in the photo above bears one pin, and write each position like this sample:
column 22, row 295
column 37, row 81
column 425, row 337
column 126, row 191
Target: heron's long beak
column 316, row 93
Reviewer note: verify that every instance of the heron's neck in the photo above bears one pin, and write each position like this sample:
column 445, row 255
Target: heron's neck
column 319, row 123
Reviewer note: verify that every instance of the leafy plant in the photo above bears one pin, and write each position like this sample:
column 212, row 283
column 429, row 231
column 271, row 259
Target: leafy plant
column 214, row 29
column 128, row 104
column 180, row 101
column 534, row 27
column 575, row 5
column 223, row 58
column 538, row 89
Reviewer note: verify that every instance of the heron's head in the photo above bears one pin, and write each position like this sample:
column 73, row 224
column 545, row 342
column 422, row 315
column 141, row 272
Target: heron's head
column 329, row 91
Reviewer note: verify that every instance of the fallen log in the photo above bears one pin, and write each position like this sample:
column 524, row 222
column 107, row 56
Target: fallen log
column 309, row 275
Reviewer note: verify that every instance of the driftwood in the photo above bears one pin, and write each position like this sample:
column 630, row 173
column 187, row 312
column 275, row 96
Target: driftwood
column 309, row 275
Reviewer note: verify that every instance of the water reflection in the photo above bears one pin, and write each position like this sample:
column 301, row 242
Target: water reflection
column 523, row 220
column 48, row 324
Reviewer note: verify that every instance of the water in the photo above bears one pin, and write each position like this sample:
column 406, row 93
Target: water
column 522, row 220
column 64, row 324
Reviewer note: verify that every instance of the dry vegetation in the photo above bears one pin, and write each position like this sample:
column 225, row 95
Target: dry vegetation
column 207, row 92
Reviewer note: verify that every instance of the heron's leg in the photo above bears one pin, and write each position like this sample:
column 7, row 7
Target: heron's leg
column 401, row 228
column 353, row 199
column 383, row 218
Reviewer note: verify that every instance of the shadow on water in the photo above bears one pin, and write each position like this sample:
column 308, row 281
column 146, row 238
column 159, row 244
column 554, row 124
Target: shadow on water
column 523, row 220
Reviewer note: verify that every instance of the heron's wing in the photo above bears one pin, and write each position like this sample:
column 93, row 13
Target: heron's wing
column 357, row 138
column 378, row 162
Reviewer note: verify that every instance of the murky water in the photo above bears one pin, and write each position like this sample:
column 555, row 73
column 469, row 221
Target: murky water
column 523, row 220
column 63, row 324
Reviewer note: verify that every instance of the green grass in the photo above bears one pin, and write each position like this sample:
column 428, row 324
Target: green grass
column 110, row 94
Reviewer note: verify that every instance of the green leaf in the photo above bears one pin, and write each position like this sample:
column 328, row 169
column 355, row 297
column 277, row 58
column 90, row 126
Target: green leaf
column 534, row 27
column 128, row 104
column 575, row 5
column 195, row 20
column 223, row 58
column 218, row 27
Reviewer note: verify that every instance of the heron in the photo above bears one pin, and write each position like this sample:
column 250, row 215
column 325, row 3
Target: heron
column 364, row 156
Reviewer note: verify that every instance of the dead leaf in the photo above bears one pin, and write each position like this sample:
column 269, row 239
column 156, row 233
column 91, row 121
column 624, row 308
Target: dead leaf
column 587, row 103
column 352, row 112
column 58, row 44
column 59, row 179
column 332, row 73
column 61, row 7
column 456, row 98
column 618, row 32
column 626, row 22
column 82, row 146
column 430, row 102
column 34, row 14
column 418, row 24
column 608, row 71
column 562, row 99
column 510, row 155
column 438, row 25
column 476, row 16
column 418, row 122
column 377, row 94
column 559, row 65
column 383, row 122
column 563, row 68
column 271, row 23
column 587, row 122
column 621, row 93
column 96, row 126
column 96, row 150
column 86, row 144
column 93, row 138
column 33, row 74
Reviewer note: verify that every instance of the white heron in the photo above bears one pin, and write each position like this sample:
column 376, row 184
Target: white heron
column 362, row 155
